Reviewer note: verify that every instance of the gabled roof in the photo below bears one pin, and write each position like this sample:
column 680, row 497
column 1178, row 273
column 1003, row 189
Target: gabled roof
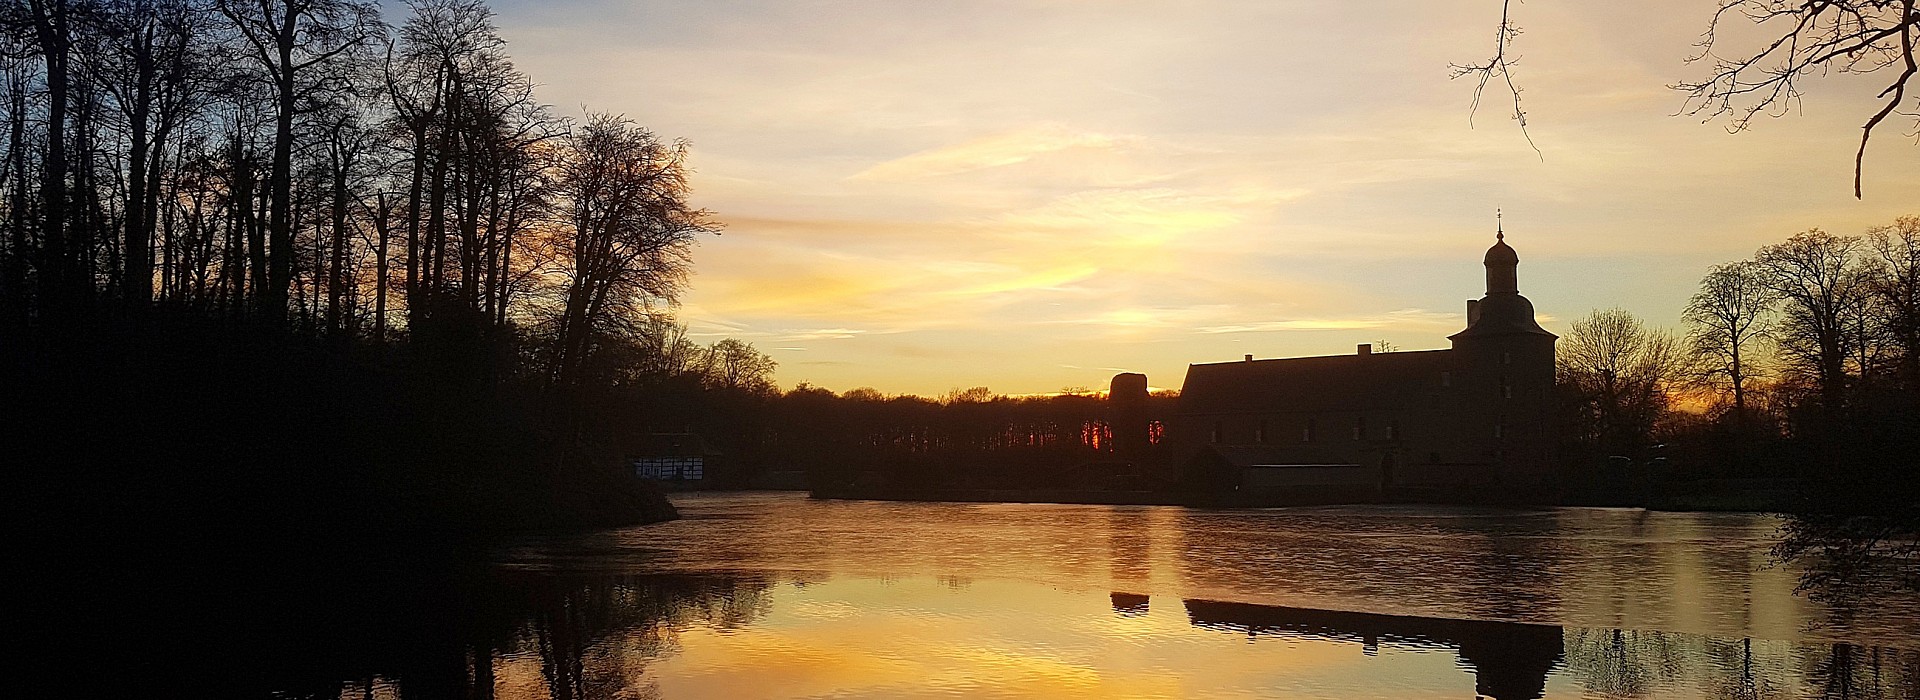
column 1329, row 383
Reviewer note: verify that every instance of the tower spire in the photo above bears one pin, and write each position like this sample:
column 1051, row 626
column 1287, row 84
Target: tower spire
column 1501, row 260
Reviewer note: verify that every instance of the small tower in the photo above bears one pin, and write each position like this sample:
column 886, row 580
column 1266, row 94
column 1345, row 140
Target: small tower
column 1506, row 363
column 1127, row 414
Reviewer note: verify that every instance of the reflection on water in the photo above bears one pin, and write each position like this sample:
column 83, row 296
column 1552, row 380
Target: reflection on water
column 1509, row 660
column 775, row 596
column 725, row 636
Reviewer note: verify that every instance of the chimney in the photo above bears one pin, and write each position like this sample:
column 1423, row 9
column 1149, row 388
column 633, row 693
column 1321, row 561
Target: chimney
column 1366, row 348
column 1249, row 358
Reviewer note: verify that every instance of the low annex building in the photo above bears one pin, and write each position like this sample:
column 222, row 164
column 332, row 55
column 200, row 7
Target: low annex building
column 1472, row 420
column 680, row 458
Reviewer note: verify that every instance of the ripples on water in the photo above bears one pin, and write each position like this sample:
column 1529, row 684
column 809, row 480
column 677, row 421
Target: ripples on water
column 775, row 595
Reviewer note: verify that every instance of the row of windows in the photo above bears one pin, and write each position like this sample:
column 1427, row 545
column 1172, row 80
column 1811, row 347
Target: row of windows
column 1311, row 431
column 670, row 468
column 1506, row 384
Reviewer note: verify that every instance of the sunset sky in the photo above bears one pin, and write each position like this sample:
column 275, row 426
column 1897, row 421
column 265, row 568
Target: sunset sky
column 1035, row 194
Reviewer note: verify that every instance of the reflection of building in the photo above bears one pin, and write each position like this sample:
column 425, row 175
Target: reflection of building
column 681, row 457
column 1129, row 604
column 1510, row 660
column 1347, row 427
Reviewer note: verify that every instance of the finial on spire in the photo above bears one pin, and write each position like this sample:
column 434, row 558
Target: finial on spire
column 1499, row 227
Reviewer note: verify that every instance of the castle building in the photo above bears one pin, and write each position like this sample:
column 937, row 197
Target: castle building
column 1471, row 421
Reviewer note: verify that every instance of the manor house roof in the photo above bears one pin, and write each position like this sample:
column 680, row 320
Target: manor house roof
column 1386, row 380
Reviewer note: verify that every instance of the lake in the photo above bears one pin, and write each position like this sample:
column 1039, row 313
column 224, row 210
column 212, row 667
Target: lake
column 779, row 596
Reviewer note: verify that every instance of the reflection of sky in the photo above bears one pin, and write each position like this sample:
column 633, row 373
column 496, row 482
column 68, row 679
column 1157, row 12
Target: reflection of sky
column 916, row 638
column 1031, row 194
column 796, row 597
column 1696, row 573
column 924, row 637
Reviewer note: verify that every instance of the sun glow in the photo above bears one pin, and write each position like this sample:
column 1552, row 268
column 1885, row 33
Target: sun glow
column 1144, row 187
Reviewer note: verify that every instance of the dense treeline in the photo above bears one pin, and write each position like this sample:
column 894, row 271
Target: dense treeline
column 967, row 439
column 285, row 254
column 1801, row 365
column 300, row 162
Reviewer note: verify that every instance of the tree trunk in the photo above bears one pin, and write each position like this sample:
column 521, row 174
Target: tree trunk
column 414, row 188
column 383, row 227
column 50, row 28
column 22, row 239
column 137, row 286
column 336, row 281
column 280, row 180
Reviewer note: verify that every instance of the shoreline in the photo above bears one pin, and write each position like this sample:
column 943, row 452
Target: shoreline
column 1230, row 501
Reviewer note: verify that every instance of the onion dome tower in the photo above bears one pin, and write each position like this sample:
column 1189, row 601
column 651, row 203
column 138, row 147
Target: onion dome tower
column 1504, row 363
column 1502, row 311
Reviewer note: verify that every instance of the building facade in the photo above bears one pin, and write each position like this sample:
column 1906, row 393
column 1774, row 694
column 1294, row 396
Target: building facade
column 1471, row 421
column 679, row 458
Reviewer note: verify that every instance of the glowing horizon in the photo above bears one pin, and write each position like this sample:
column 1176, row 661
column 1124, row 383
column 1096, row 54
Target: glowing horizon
column 1035, row 194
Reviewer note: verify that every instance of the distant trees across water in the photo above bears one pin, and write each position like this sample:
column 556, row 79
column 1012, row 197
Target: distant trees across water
column 966, row 439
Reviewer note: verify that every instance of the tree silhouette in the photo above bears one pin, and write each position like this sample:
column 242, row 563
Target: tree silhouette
column 1726, row 319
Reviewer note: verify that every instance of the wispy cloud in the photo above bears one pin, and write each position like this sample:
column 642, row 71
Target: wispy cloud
column 993, row 151
column 819, row 334
column 927, row 198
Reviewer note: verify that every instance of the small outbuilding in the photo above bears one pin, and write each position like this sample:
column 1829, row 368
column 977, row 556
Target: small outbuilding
column 672, row 457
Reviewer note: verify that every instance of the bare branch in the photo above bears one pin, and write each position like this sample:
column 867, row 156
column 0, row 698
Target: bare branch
column 1502, row 66
column 1816, row 37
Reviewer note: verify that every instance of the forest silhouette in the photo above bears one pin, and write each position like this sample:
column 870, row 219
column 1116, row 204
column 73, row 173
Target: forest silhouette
column 284, row 287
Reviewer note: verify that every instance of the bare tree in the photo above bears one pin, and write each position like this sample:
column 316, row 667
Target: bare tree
column 53, row 31
column 1622, row 373
column 627, row 232
column 666, row 351
column 151, row 57
column 292, row 42
column 735, row 364
column 1824, row 289
column 1897, row 282
column 1726, row 322
column 346, row 144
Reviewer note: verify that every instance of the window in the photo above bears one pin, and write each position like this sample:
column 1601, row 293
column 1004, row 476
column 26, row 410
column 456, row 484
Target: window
column 1500, row 428
column 1360, row 428
column 1506, row 391
column 670, row 468
column 1260, row 434
column 1446, row 379
column 1306, row 433
column 1216, row 432
column 1506, row 358
column 1393, row 430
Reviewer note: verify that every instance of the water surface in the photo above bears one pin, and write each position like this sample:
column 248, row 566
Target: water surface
column 777, row 595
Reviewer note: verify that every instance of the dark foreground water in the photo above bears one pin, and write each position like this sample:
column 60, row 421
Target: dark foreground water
column 778, row 596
